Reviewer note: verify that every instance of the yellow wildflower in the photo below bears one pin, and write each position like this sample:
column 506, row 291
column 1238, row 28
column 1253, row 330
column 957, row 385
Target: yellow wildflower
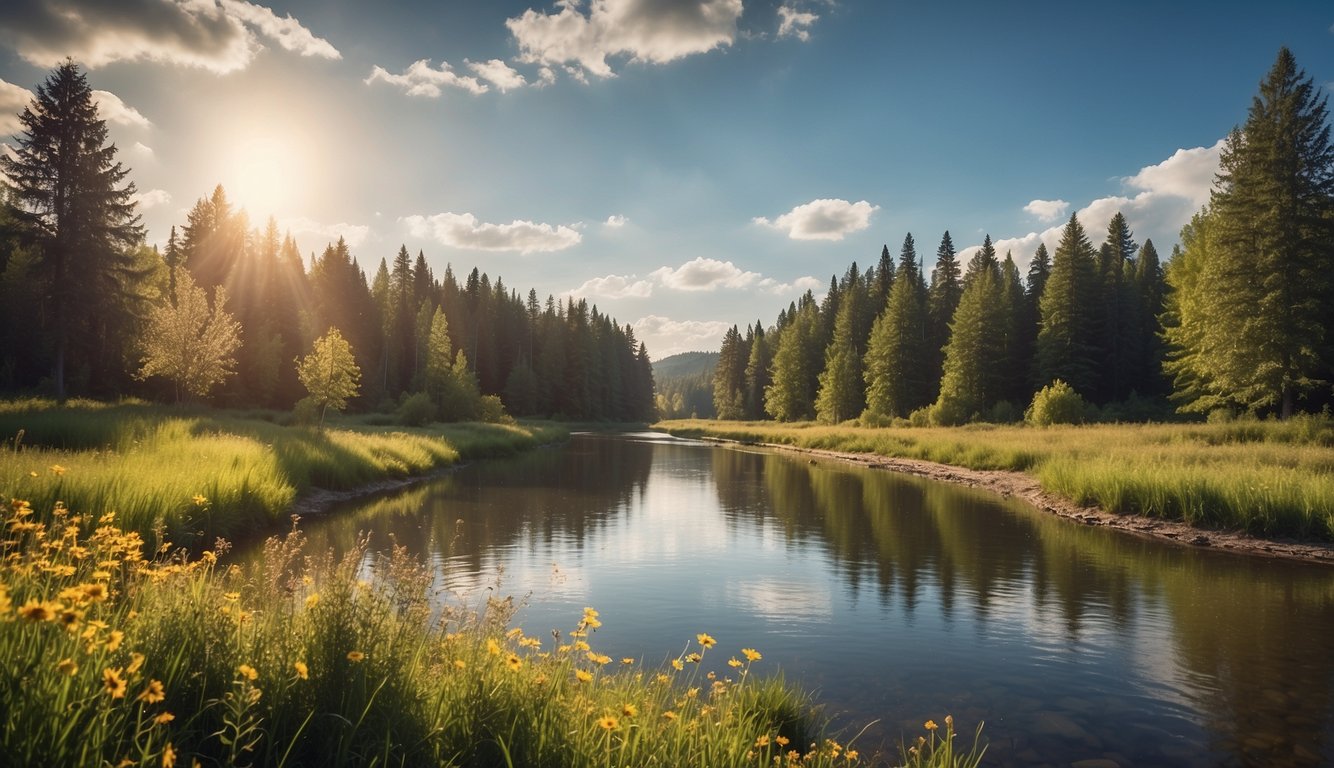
column 199, row 500
column 669, row 716
column 677, row 665
column 580, row 645
column 69, row 619
column 762, row 741
column 153, row 693
column 608, row 723
column 168, row 756
column 302, row 671
column 209, row 558
column 231, row 596
column 693, row 658
column 781, row 741
column 598, row 658
column 312, row 600
column 851, row 755
column 40, row 610
column 930, row 725
column 459, row 664
column 57, row 470
column 629, row 710
column 67, row 667
column 113, row 683
column 751, row 654
column 513, row 662
column 734, row 662
column 663, row 678
column 705, row 640
column 164, row 718
column 248, row 672
column 627, row 660
column 583, row 676
column 355, row 656
column 136, row 661
column 492, row 647
column 114, row 638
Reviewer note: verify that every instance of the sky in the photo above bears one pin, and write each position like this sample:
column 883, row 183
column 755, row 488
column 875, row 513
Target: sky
column 685, row 165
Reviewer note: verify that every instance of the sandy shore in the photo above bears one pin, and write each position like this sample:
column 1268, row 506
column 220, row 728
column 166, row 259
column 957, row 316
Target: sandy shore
column 1018, row 484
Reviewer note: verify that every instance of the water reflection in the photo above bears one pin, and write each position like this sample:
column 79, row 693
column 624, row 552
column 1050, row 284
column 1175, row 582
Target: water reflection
column 894, row 597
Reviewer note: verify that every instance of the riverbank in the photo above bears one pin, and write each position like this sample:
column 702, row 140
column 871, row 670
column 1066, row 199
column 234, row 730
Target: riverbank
column 194, row 474
column 1268, row 480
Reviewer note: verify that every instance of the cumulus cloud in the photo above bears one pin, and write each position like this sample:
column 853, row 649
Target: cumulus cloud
column 1047, row 210
column 13, row 100
column 701, row 274
column 218, row 35
column 798, row 286
column 656, row 32
column 142, row 149
column 615, row 287
column 305, row 228
column 152, row 198
column 615, row 221
column 1159, row 200
column 463, row 230
column 498, row 73
column 113, row 110
column 795, row 23
column 421, row 79
column 666, row 336
column 822, row 219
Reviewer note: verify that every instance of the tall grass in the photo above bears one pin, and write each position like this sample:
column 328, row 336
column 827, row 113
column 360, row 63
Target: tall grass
column 198, row 474
column 111, row 658
column 1264, row 477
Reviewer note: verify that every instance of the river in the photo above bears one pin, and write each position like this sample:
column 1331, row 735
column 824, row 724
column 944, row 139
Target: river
column 892, row 598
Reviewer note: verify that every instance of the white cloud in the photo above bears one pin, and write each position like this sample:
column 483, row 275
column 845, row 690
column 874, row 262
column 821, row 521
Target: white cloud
column 1161, row 199
column 701, row 274
column 822, row 219
column 13, row 100
column 1047, row 211
column 498, row 73
column 421, row 79
column 669, row 337
column 353, row 234
column 795, row 23
column 142, row 149
column 796, row 287
column 463, row 230
column 217, row 35
column 152, row 198
column 650, row 31
column 113, row 110
column 615, row 221
column 615, row 287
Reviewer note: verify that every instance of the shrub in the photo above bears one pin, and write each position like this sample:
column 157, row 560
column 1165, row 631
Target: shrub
column 492, row 410
column 1056, row 403
column 416, row 411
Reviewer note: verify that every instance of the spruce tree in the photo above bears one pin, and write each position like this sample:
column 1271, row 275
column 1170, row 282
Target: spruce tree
column 729, row 376
column 970, row 382
column 1016, row 342
column 1121, row 328
column 841, row 395
column 72, row 195
column 942, row 300
column 757, row 373
column 896, row 365
column 1067, row 347
column 790, row 396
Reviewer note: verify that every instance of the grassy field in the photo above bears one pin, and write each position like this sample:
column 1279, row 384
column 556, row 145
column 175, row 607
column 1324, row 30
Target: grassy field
column 196, row 474
column 115, row 658
column 1268, row 478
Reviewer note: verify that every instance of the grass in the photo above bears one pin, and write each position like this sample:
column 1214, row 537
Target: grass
column 197, row 474
column 112, row 657
column 1268, row 478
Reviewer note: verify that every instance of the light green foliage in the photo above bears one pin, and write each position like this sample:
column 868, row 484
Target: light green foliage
column 330, row 373
column 416, row 410
column 841, row 396
column 973, row 358
column 897, row 355
column 789, row 396
column 1056, row 403
column 1067, row 339
column 729, row 376
column 188, row 341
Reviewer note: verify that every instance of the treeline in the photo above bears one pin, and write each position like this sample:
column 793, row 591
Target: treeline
column 1238, row 321
column 78, row 285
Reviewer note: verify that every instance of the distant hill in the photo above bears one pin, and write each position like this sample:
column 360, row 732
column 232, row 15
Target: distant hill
column 685, row 364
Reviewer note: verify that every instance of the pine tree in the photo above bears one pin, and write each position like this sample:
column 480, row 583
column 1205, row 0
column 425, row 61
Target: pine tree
column 841, row 394
column 189, row 342
column 942, row 300
column 1016, row 342
column 1266, row 293
column 970, row 383
column 71, row 193
column 790, row 397
column 1121, row 331
column 757, row 373
column 1067, row 346
column 1150, row 286
column 729, row 377
column 897, row 356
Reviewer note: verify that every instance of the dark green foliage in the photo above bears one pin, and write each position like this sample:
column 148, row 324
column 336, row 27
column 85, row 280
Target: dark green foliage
column 974, row 357
column 897, row 356
column 943, row 298
column 729, row 376
column 1067, row 344
column 684, row 385
column 757, row 373
column 791, row 395
column 840, row 395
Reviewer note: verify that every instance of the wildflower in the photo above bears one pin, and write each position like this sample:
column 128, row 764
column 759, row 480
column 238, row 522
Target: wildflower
column 851, row 755
column 734, row 662
column 312, row 600
column 459, row 664
column 669, row 716
column 209, row 558
column 629, row 710
column 677, row 665
column 627, row 660
column 231, row 597
column 153, row 693
column 781, row 741
column 492, row 647
column 692, row 693
column 168, row 756
column 705, row 640
column 69, row 619
column 67, row 667
column 113, row 683
column 39, row 610
column 598, row 658
column 583, row 676
column 164, row 718
column 199, row 500
column 355, row 656
column 930, row 725
column 57, row 470
column 580, row 645
column 302, row 671
column 248, row 672
column 590, row 613
column 693, row 658
column 949, row 722
column 663, row 678
column 608, row 723
column 762, row 741
column 32, row 474
column 94, row 592
column 513, row 662
column 751, row 654
column 531, row 642
column 136, row 661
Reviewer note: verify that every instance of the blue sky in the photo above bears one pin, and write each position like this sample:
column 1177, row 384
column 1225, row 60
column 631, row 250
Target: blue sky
column 683, row 164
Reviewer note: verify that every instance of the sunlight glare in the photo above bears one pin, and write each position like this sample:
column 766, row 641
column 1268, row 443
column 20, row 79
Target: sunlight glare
column 267, row 174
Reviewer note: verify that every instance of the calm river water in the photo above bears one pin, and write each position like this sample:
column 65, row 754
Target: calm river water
column 893, row 599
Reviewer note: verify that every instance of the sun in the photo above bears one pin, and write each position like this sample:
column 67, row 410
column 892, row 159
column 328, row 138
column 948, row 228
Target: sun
column 267, row 173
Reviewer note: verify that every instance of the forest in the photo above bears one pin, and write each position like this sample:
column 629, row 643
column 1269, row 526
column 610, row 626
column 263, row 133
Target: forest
column 88, row 309
column 1236, row 322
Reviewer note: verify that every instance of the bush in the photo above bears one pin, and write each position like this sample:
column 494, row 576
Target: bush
column 306, row 412
column 1004, row 412
column 492, row 410
column 1056, row 403
column 416, row 411
column 920, row 417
